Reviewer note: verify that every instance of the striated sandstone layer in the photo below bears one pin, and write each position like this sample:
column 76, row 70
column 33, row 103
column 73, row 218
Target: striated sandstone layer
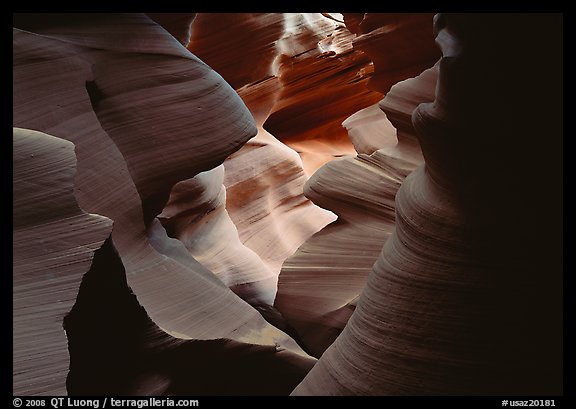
column 329, row 271
column 265, row 179
column 320, row 284
column 150, row 230
column 323, row 81
column 196, row 215
column 270, row 230
column 115, row 349
column 239, row 46
column 143, row 114
column 265, row 183
column 399, row 44
column 453, row 301
column 53, row 245
column 321, row 77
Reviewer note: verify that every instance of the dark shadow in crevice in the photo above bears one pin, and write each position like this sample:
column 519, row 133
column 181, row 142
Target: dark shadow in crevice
column 116, row 349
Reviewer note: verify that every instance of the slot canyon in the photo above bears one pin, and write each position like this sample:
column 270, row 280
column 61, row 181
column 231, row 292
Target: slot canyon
column 301, row 204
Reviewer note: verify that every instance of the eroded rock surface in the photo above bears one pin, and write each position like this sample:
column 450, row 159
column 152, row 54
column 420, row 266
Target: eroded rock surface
column 449, row 308
column 203, row 200
column 54, row 242
column 143, row 114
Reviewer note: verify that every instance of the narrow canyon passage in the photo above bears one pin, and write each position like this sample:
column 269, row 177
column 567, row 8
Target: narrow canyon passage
column 296, row 203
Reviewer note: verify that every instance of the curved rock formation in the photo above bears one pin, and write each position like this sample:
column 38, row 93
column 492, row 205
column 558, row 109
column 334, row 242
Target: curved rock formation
column 239, row 46
column 264, row 184
column 329, row 271
column 457, row 293
column 405, row 39
column 322, row 79
column 265, row 179
column 177, row 24
column 115, row 349
column 449, row 285
column 196, row 215
column 53, row 245
column 143, row 114
column 317, row 67
column 320, row 284
column 369, row 130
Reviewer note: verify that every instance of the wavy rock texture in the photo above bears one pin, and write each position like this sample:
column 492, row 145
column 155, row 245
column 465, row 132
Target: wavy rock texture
column 329, row 271
column 177, row 24
column 202, row 175
column 369, row 130
column 450, row 307
column 322, row 79
column 399, row 44
column 231, row 43
column 323, row 82
column 319, row 285
column 54, row 242
column 143, row 114
column 196, row 215
column 136, row 357
column 265, row 179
